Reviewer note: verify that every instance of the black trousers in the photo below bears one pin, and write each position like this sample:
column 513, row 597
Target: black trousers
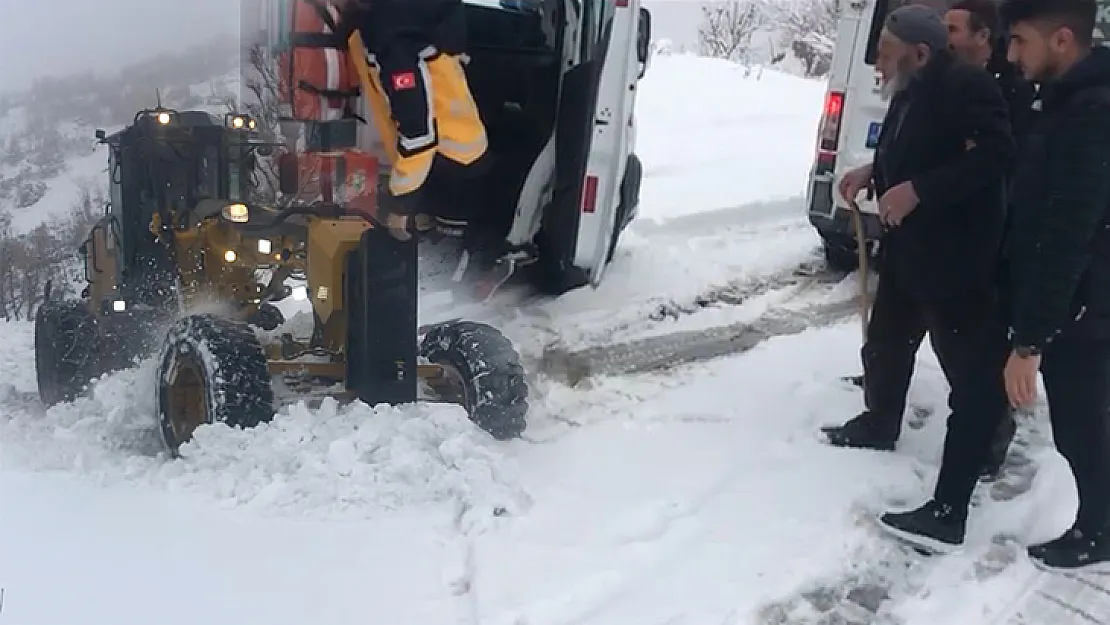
column 969, row 336
column 1077, row 383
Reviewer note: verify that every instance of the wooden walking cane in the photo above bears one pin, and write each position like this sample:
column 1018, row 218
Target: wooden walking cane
column 861, row 253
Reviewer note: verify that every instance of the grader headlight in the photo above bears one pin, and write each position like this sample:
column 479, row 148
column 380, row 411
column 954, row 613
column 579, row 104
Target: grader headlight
column 240, row 122
column 164, row 118
column 236, row 213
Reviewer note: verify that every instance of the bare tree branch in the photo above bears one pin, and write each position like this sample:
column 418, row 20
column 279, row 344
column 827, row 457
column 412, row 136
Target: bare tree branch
column 264, row 106
column 727, row 28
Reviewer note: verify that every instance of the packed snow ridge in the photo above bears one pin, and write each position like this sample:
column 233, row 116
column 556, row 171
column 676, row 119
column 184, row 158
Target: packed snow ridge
column 333, row 461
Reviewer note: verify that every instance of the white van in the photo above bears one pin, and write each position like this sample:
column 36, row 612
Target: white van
column 849, row 130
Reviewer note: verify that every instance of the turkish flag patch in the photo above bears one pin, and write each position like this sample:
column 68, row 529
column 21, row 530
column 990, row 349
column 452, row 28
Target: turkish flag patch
column 403, row 81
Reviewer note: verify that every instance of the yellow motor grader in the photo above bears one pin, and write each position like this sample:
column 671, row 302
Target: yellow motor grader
column 185, row 265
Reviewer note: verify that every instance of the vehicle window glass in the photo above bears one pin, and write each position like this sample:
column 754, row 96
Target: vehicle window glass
column 235, row 179
column 115, row 189
column 176, row 184
column 208, row 174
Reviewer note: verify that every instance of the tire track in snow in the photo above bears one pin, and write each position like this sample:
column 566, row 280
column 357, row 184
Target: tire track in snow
column 666, row 350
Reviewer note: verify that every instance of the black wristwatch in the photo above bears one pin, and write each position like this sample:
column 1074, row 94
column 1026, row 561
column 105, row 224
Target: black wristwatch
column 1027, row 351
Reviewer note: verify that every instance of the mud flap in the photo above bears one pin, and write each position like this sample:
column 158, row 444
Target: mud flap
column 381, row 301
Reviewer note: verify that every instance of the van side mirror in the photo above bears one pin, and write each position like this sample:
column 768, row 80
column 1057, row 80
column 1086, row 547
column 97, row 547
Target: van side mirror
column 100, row 134
column 643, row 40
column 288, row 174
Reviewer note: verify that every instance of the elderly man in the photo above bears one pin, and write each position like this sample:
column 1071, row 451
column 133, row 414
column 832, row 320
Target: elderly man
column 938, row 172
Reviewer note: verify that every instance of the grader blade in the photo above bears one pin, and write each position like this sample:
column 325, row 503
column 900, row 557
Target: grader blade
column 382, row 337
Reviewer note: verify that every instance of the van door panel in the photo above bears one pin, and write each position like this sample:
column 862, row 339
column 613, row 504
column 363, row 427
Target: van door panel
column 569, row 232
column 573, row 138
column 616, row 96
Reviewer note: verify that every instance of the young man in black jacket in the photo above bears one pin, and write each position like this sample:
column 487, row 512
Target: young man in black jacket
column 939, row 173
column 1058, row 249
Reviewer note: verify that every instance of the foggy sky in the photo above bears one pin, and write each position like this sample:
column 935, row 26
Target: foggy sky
column 39, row 37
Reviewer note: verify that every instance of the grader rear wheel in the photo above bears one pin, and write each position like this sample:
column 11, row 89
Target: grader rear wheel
column 66, row 350
column 212, row 370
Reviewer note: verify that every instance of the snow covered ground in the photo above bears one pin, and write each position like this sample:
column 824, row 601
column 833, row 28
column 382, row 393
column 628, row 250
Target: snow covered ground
column 697, row 496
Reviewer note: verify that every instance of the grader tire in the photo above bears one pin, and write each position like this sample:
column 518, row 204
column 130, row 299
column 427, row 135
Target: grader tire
column 212, row 370
column 487, row 369
column 66, row 349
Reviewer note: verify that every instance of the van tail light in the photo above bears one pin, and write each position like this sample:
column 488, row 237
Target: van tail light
column 829, row 137
column 589, row 195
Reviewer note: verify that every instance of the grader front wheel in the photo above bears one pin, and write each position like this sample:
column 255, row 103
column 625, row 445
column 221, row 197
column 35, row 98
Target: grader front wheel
column 212, row 370
column 481, row 372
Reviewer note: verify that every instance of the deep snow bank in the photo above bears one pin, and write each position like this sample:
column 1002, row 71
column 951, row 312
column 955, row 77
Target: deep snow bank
column 333, row 461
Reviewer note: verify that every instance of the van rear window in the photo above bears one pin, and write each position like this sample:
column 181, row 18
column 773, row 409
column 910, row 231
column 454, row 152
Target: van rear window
column 882, row 9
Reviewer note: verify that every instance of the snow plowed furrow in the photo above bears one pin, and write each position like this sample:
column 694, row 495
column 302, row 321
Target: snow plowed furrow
column 684, row 346
column 654, row 316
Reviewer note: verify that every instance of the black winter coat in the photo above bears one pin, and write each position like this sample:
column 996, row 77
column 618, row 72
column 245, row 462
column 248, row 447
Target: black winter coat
column 948, row 133
column 1019, row 94
column 1058, row 247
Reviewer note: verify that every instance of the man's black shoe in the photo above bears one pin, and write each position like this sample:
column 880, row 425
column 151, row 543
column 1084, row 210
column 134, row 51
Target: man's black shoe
column 859, row 433
column 1075, row 552
column 934, row 527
